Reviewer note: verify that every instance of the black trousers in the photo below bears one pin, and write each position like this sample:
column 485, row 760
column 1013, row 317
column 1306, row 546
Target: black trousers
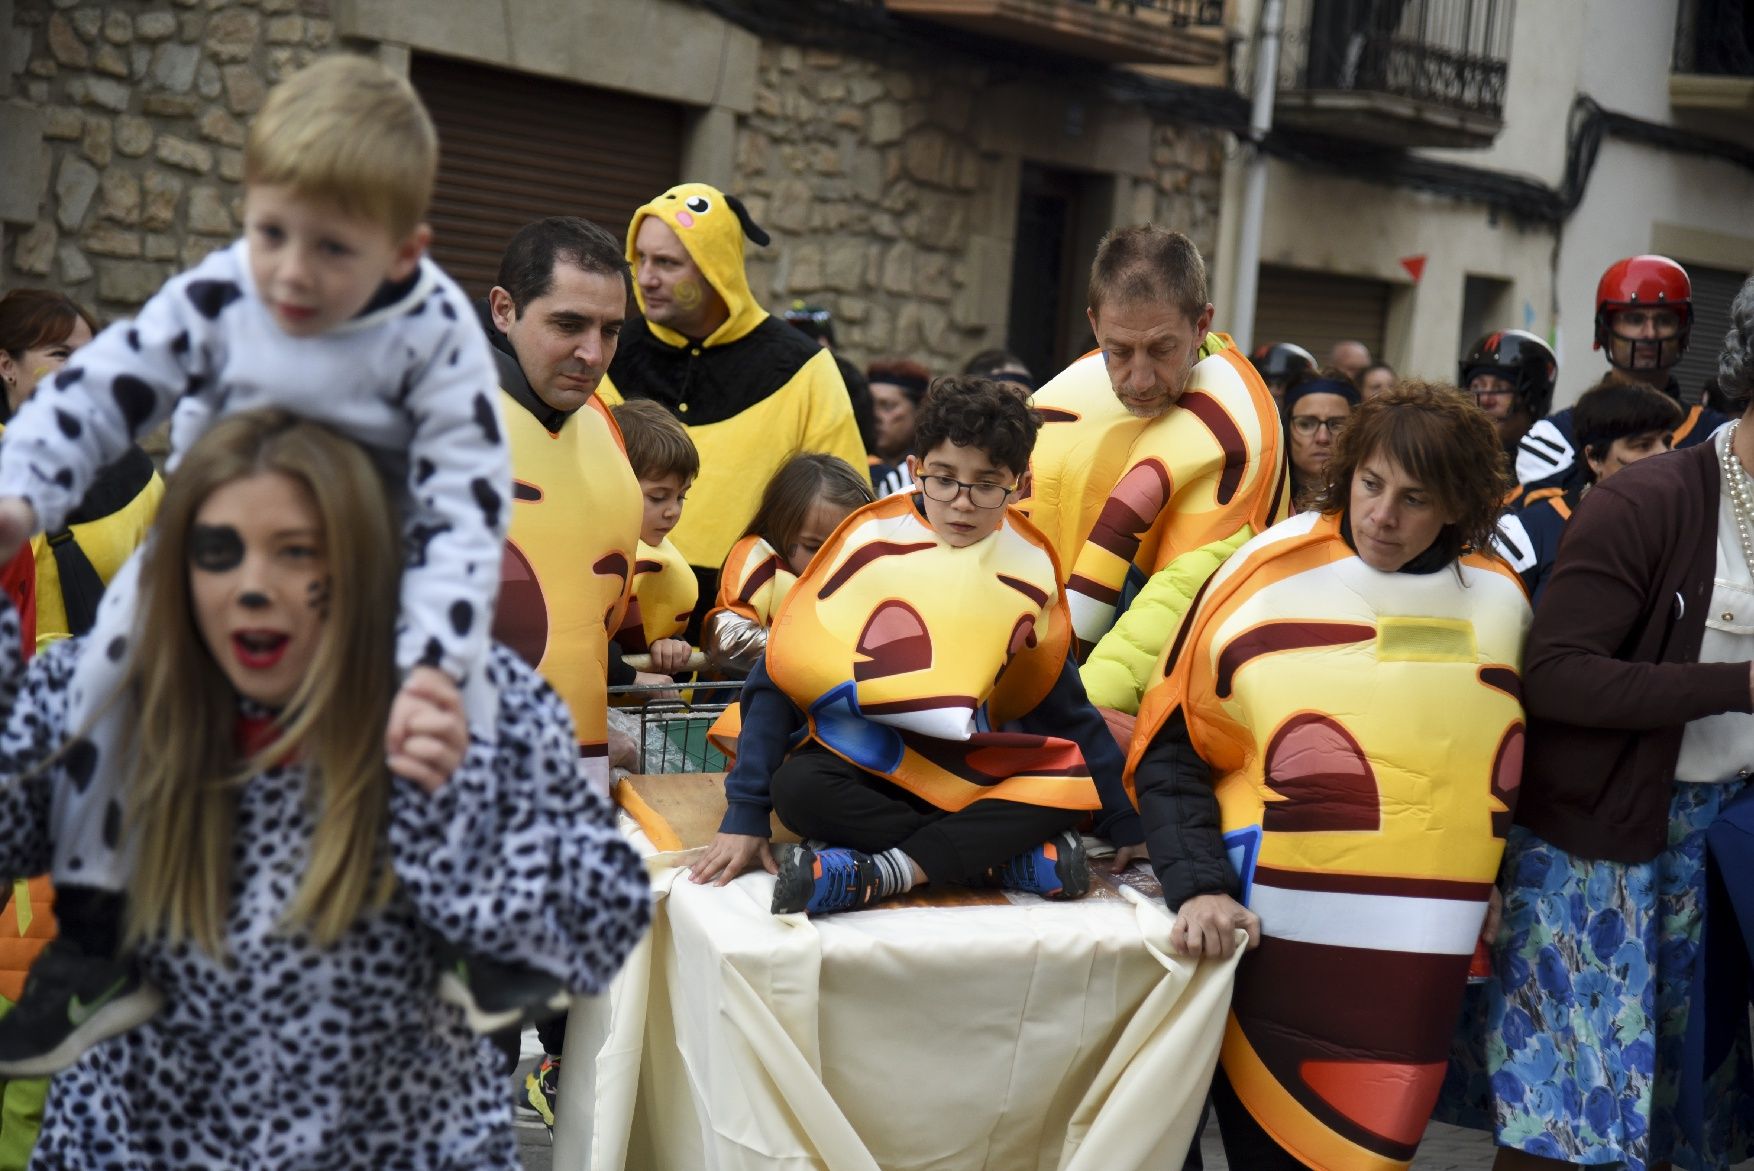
column 1245, row 1143
column 509, row 1042
column 819, row 795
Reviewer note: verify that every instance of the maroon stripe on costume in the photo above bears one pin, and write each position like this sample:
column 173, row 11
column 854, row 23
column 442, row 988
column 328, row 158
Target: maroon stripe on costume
column 1132, row 508
column 1272, row 637
column 1300, row 1002
column 1029, row 590
column 1056, row 415
column 643, row 566
column 761, row 575
column 930, row 703
column 1503, row 679
column 1224, row 429
column 1373, row 884
column 611, row 565
column 1507, row 777
column 589, row 750
column 863, row 556
column 1079, row 584
column 526, row 492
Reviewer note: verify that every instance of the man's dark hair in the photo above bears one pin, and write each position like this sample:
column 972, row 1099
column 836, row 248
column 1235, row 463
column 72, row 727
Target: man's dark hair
column 981, row 413
column 526, row 271
column 1617, row 409
column 1148, row 264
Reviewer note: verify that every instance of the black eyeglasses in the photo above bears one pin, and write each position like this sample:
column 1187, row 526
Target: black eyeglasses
column 945, row 489
column 1306, row 425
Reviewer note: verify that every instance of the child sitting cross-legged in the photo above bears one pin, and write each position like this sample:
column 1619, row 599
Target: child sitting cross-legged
column 916, row 718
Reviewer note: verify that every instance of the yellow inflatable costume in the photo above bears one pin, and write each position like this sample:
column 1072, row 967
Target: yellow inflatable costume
column 664, row 593
column 905, row 653
column 1367, row 735
column 752, row 394
column 1121, row 497
column 568, row 559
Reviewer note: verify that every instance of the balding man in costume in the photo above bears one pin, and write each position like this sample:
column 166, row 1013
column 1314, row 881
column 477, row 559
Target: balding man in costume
column 752, row 391
column 1162, row 445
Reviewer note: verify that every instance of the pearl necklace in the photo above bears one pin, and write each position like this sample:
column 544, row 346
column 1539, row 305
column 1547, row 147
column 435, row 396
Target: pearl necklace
column 1741, row 493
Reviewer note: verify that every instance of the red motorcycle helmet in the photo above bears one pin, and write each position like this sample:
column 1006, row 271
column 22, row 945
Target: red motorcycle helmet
column 1644, row 282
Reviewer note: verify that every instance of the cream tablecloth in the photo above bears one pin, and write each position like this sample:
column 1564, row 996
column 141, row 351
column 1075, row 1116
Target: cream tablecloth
column 967, row 1038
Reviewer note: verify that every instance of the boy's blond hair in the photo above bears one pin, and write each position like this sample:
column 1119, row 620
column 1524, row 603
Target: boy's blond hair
column 657, row 445
column 348, row 131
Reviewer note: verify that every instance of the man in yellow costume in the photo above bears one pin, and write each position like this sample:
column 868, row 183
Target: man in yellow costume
column 554, row 318
column 752, row 391
column 1329, row 761
column 1162, row 442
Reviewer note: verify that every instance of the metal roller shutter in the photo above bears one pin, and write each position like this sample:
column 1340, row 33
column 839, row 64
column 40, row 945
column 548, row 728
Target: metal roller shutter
column 1317, row 309
column 1713, row 290
column 514, row 147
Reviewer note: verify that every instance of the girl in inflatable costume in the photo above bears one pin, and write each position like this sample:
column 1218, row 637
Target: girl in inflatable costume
column 289, row 896
column 1350, row 680
column 916, row 716
column 801, row 506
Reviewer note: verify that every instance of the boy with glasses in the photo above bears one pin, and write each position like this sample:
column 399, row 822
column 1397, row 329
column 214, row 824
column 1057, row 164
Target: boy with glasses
column 920, row 667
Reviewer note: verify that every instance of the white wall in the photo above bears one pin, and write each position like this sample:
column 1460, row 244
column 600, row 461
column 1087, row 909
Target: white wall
column 1638, row 199
column 1635, row 201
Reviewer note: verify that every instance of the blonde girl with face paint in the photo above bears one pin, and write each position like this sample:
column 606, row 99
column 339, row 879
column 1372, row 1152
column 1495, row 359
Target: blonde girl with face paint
column 288, row 895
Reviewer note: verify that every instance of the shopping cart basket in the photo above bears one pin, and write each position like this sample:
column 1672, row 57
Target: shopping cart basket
column 670, row 723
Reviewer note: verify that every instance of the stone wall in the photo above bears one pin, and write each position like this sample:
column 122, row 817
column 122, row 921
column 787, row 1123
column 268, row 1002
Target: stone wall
column 890, row 188
column 878, row 192
column 144, row 108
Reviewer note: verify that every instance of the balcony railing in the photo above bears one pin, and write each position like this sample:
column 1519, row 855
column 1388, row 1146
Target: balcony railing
column 1711, row 88
column 1715, row 38
column 1402, row 72
column 1156, row 32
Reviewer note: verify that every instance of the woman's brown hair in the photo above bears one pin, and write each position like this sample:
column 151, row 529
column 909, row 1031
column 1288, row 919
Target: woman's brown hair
column 794, row 491
column 182, row 794
column 30, row 318
column 1440, row 438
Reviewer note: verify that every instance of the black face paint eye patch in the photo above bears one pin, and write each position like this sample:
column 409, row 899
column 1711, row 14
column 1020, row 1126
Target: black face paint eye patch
column 215, row 548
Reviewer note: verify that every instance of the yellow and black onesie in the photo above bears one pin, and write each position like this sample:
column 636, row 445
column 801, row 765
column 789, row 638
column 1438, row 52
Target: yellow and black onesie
column 752, row 394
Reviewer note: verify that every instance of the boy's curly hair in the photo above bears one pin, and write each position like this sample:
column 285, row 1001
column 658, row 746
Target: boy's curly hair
column 971, row 411
column 1442, row 439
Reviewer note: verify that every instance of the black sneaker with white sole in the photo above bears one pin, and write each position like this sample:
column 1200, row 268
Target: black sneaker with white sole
column 496, row 996
column 71, row 1002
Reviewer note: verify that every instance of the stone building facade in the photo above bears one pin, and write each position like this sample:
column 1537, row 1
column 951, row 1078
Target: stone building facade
column 891, row 187
column 138, row 111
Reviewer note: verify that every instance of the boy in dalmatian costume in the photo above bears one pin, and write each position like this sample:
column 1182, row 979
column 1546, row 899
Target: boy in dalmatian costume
column 329, row 308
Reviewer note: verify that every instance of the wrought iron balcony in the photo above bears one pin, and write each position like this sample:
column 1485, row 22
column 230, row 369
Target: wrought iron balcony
column 1712, row 85
column 1397, row 72
column 1133, row 32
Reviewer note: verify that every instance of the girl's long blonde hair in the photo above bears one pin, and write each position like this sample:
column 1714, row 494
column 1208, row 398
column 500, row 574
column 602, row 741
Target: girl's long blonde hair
column 181, row 712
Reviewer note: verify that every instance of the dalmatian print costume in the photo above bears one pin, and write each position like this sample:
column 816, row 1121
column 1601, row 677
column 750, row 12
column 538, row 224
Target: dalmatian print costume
column 296, row 1057
column 411, row 378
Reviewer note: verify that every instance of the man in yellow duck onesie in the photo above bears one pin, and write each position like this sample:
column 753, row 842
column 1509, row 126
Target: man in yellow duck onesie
column 1159, row 444
column 752, row 391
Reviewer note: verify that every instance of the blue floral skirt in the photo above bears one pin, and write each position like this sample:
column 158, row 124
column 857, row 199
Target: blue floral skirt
column 1572, row 1049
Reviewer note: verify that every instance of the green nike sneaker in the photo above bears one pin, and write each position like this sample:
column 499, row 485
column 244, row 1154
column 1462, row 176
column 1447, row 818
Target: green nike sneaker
column 71, row 1001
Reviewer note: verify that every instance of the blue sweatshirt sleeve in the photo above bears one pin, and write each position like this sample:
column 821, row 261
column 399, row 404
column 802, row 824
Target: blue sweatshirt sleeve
column 769, row 722
column 1067, row 712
